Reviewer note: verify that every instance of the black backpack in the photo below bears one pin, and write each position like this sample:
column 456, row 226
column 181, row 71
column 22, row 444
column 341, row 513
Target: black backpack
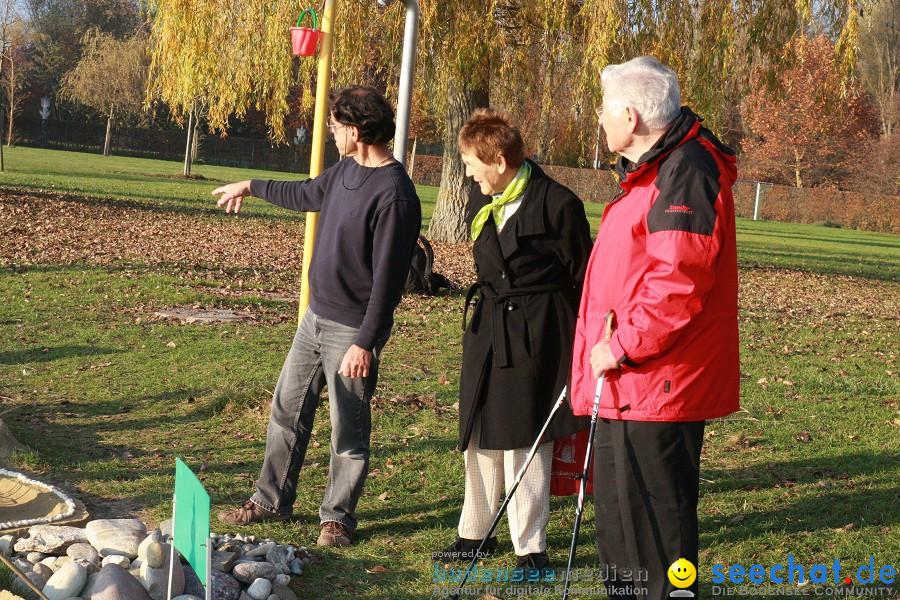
column 421, row 279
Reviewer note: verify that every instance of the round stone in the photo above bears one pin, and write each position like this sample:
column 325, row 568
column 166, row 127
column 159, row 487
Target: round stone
column 260, row 589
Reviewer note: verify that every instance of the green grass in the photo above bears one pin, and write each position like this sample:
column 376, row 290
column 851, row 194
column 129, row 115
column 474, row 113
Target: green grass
column 142, row 180
column 106, row 396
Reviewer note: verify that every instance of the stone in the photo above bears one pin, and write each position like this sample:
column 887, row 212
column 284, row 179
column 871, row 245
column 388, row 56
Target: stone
column 20, row 586
column 244, row 595
column 251, row 571
column 273, row 597
column 84, row 553
column 224, row 586
column 6, row 545
column 223, row 561
column 35, row 557
column 61, row 561
column 280, row 555
column 67, row 582
column 156, row 579
column 88, row 589
column 116, row 559
column 184, row 597
column 23, row 565
column 50, row 539
column 282, row 579
column 156, row 555
column 297, row 566
column 115, row 583
column 260, row 550
column 50, row 561
column 7, row 595
column 116, row 536
column 284, row 592
column 192, row 585
column 42, row 570
column 166, row 529
column 155, row 536
column 260, row 589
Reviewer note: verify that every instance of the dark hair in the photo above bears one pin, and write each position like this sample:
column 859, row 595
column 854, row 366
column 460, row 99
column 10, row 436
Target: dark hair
column 367, row 110
column 488, row 134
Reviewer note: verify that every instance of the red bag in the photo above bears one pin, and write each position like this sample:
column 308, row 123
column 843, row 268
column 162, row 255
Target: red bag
column 568, row 463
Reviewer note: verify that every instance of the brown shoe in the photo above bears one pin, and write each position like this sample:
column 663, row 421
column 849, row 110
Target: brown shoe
column 249, row 512
column 334, row 534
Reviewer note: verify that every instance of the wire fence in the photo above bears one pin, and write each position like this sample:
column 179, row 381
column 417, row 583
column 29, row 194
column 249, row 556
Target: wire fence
column 230, row 151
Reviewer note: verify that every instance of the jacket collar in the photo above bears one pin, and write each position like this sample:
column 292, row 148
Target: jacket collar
column 685, row 127
column 529, row 219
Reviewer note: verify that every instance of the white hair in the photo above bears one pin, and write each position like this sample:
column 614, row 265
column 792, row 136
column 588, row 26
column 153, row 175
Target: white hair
column 647, row 85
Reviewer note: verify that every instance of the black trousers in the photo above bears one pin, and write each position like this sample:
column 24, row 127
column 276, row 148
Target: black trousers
column 646, row 487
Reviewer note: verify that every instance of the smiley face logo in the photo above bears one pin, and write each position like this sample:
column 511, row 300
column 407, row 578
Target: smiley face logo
column 682, row 573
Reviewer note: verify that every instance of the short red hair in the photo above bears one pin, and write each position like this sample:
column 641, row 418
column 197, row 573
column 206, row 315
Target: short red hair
column 488, row 134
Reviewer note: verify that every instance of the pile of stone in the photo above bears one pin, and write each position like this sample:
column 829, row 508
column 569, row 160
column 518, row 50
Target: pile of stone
column 118, row 559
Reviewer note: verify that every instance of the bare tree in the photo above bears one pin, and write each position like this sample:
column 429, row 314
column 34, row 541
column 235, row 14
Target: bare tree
column 110, row 77
column 879, row 60
column 12, row 77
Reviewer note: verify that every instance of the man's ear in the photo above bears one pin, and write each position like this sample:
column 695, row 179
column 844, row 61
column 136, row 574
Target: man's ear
column 632, row 118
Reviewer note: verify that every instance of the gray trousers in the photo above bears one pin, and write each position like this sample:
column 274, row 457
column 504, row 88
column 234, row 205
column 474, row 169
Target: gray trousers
column 312, row 363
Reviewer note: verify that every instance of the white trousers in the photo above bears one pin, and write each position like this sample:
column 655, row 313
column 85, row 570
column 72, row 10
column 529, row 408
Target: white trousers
column 529, row 510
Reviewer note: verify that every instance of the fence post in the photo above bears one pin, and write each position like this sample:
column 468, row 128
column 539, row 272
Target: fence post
column 756, row 204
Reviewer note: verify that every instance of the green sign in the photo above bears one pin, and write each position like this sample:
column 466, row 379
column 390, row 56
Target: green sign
column 190, row 525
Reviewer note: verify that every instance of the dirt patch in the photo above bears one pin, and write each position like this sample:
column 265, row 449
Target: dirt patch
column 186, row 314
column 276, row 295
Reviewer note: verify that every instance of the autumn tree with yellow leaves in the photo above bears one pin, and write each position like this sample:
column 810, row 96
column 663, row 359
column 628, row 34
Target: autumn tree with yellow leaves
column 539, row 60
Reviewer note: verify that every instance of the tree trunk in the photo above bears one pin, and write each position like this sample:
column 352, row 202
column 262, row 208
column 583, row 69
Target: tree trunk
column 190, row 141
column 109, row 123
column 448, row 223
column 2, row 119
column 195, row 140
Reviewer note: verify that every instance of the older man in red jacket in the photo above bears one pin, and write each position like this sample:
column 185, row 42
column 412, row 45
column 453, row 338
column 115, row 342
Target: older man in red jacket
column 665, row 262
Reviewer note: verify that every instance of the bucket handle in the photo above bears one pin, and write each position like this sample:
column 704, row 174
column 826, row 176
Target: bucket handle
column 309, row 11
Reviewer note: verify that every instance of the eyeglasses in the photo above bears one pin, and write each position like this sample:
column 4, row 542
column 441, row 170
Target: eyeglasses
column 332, row 125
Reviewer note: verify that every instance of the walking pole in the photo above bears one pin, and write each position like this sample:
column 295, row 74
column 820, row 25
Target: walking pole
column 588, row 455
column 22, row 576
column 510, row 492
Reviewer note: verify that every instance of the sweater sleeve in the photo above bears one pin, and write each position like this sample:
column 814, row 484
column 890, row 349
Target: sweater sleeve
column 305, row 196
column 684, row 236
column 396, row 231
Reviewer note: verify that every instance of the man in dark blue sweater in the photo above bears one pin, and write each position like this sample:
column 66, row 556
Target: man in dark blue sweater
column 368, row 226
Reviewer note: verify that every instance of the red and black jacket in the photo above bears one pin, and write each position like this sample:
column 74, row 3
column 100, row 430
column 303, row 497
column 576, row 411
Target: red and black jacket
column 665, row 261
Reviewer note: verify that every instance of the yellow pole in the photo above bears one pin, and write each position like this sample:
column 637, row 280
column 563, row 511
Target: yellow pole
column 317, row 159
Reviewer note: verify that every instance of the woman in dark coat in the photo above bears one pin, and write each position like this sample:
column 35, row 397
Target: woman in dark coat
column 531, row 245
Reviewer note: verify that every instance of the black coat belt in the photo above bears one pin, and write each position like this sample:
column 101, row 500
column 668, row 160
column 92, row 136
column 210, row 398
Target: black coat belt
column 500, row 304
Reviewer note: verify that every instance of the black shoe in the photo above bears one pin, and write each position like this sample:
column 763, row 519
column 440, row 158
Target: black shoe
column 532, row 565
column 463, row 550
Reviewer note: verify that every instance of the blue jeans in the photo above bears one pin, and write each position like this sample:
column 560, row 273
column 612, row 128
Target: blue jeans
column 312, row 363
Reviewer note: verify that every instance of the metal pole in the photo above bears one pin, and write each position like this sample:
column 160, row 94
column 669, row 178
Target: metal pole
column 317, row 157
column 597, row 148
column 756, row 204
column 407, row 71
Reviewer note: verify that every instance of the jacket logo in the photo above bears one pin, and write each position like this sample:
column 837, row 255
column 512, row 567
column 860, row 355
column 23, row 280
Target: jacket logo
column 680, row 208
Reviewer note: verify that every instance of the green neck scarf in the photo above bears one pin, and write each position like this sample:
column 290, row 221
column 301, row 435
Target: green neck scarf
column 513, row 192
